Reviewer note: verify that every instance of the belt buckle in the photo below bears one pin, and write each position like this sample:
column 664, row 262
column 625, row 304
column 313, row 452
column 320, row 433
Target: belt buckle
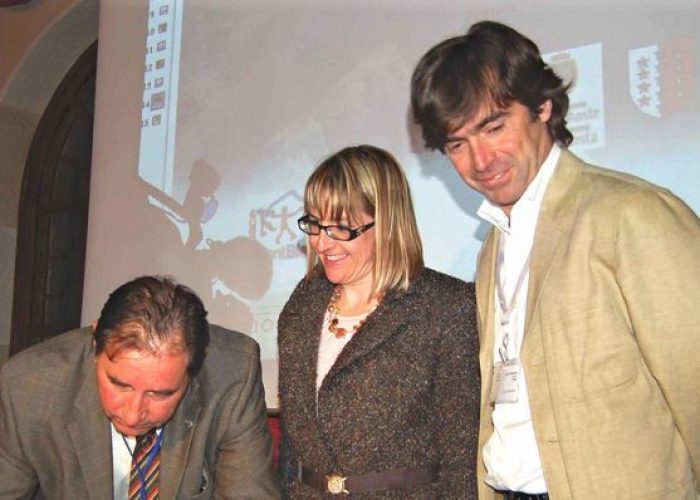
column 335, row 484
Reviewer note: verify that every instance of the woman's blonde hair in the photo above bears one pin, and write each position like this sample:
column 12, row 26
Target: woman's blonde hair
column 369, row 180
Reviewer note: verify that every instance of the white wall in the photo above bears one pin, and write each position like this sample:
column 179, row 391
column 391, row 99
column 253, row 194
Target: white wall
column 39, row 42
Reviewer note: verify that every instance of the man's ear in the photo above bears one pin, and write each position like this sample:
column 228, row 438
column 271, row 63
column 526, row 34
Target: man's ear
column 545, row 111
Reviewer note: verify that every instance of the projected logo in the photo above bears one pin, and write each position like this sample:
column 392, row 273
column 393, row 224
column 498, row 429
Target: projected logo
column 582, row 67
column 660, row 76
column 275, row 226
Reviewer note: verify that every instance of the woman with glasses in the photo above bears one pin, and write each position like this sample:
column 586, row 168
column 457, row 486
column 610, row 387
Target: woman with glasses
column 379, row 381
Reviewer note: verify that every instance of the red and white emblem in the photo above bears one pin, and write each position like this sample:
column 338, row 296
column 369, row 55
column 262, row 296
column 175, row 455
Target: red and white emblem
column 660, row 76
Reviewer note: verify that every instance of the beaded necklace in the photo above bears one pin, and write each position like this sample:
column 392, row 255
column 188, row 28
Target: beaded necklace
column 334, row 310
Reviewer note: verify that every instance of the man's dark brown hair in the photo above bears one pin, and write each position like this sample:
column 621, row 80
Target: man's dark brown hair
column 490, row 67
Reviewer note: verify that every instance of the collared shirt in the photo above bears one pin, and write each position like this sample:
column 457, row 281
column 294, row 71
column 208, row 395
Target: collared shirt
column 121, row 462
column 511, row 455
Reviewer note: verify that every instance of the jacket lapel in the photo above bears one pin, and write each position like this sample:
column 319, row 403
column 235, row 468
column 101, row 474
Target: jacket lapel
column 306, row 322
column 312, row 337
column 553, row 225
column 379, row 326
column 177, row 441
column 547, row 238
column 90, row 433
column 485, row 297
column 485, row 286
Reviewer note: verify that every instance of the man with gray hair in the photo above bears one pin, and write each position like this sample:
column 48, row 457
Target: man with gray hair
column 152, row 403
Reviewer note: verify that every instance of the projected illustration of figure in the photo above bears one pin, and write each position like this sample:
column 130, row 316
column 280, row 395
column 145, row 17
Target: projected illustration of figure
column 244, row 267
column 200, row 203
column 284, row 208
column 264, row 215
column 225, row 274
column 284, row 217
column 261, row 216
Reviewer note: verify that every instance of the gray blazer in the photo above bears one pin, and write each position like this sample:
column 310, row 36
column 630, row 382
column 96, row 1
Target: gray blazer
column 403, row 393
column 55, row 440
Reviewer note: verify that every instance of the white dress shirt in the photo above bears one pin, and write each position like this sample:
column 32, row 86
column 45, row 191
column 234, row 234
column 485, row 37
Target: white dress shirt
column 121, row 463
column 511, row 455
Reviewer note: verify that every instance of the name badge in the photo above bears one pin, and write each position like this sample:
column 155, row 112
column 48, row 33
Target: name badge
column 507, row 377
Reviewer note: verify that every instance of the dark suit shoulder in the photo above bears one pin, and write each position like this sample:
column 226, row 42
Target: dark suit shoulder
column 440, row 291
column 305, row 297
column 229, row 358
column 51, row 358
column 318, row 283
column 223, row 338
column 44, row 380
column 431, row 278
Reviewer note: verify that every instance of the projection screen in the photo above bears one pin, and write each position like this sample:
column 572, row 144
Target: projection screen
column 210, row 115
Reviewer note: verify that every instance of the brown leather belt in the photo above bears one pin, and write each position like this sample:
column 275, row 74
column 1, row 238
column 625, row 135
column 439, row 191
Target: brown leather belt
column 518, row 495
column 392, row 479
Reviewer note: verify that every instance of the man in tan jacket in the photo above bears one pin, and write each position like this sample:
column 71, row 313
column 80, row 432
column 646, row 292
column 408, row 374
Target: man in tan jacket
column 588, row 288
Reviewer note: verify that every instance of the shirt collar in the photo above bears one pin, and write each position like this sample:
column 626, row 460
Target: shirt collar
column 531, row 198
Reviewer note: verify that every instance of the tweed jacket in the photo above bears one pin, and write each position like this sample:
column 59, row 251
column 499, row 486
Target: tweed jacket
column 403, row 393
column 55, row 440
column 611, row 338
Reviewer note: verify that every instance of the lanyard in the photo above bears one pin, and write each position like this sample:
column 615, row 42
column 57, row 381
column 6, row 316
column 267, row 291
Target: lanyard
column 507, row 306
column 149, row 459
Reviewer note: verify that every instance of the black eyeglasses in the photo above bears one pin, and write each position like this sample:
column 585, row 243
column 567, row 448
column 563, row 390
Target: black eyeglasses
column 337, row 231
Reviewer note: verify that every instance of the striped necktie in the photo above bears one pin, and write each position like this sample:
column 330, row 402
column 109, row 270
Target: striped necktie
column 145, row 468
